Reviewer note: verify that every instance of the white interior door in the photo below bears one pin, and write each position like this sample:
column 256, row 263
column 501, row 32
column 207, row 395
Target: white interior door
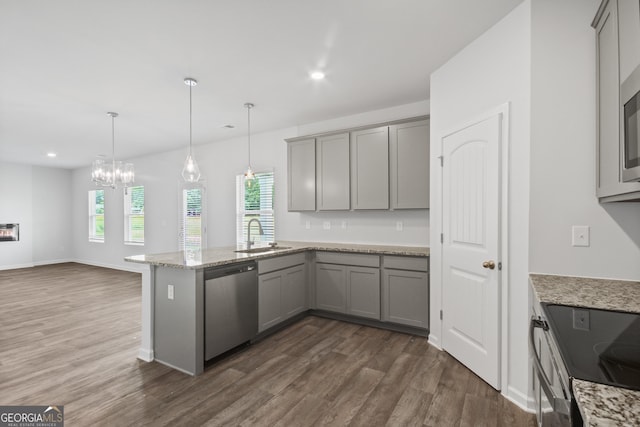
column 471, row 247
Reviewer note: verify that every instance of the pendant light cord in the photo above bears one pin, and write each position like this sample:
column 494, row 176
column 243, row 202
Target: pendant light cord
column 249, row 131
column 190, row 114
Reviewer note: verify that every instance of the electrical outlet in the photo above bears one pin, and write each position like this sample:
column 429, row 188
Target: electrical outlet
column 581, row 319
column 326, row 225
column 580, row 235
column 344, row 225
column 170, row 292
column 307, row 225
column 399, row 225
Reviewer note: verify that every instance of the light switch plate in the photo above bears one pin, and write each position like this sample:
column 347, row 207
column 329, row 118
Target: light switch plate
column 326, row 225
column 399, row 226
column 580, row 235
column 170, row 292
column 307, row 225
column 344, row 225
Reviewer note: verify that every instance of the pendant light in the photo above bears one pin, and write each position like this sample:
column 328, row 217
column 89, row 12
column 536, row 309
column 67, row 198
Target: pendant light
column 190, row 171
column 249, row 175
column 115, row 173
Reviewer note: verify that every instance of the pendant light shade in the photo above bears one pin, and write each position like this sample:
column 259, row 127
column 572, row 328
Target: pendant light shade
column 190, row 171
column 249, row 175
column 112, row 174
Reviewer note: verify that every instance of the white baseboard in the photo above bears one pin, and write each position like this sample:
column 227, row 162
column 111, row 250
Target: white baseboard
column 53, row 261
column 145, row 354
column 133, row 269
column 434, row 341
column 523, row 400
column 15, row 266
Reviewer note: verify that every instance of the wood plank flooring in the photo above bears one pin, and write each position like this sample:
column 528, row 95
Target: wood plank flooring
column 69, row 335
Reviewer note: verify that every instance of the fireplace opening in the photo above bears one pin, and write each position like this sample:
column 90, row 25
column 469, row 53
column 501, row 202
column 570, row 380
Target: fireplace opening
column 9, row 232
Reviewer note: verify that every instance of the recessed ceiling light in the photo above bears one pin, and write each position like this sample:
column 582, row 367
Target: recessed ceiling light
column 52, row 155
column 317, row 75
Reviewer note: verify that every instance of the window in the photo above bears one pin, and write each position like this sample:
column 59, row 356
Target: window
column 254, row 200
column 96, row 215
column 192, row 219
column 134, row 216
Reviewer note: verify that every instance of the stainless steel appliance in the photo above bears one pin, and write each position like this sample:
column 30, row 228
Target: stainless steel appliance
column 600, row 346
column 231, row 307
column 630, row 100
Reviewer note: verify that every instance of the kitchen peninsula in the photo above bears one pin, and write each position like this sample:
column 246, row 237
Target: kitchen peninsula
column 385, row 286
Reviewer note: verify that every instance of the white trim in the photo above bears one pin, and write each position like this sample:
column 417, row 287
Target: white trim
column 504, row 219
column 523, row 401
column 145, row 355
column 16, row 266
column 52, row 261
column 111, row 266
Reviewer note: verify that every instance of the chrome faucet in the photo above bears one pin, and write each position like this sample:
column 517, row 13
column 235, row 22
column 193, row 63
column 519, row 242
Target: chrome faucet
column 260, row 230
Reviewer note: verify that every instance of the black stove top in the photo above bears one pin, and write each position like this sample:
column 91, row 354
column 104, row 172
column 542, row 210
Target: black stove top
column 601, row 346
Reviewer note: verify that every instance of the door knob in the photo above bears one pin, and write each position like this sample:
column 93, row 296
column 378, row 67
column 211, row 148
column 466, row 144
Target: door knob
column 489, row 264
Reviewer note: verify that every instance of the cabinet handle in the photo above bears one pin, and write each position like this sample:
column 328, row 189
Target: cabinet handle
column 489, row 264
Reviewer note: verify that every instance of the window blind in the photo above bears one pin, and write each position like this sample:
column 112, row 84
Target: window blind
column 192, row 219
column 254, row 200
column 96, row 216
column 134, row 216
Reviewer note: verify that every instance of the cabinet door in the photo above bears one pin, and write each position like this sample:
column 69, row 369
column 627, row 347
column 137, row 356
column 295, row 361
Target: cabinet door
column 331, row 288
column 332, row 167
column 370, row 168
column 301, row 175
column 405, row 297
column 294, row 291
column 363, row 285
column 270, row 311
column 608, row 108
column 409, row 165
column 629, row 36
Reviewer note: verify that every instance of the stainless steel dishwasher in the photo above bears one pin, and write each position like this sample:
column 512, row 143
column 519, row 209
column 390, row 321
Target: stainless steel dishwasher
column 231, row 307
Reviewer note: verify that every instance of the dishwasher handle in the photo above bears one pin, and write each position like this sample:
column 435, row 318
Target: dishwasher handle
column 559, row 404
column 214, row 273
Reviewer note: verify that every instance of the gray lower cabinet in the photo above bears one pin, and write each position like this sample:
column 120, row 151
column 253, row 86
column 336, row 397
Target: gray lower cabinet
column 342, row 287
column 282, row 290
column 405, row 291
column 332, row 172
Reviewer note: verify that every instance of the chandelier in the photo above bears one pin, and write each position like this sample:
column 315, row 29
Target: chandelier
column 112, row 174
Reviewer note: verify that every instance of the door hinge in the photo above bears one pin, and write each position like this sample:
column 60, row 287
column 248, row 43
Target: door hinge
column 440, row 314
column 441, row 160
column 441, row 237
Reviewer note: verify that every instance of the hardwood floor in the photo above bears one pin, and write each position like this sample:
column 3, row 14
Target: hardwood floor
column 69, row 335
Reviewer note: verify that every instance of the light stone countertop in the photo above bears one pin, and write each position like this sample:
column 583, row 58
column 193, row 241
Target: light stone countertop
column 223, row 256
column 605, row 405
column 604, row 294
column 600, row 404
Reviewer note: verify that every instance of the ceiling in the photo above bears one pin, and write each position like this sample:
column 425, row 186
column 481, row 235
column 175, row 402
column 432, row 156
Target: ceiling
column 65, row 63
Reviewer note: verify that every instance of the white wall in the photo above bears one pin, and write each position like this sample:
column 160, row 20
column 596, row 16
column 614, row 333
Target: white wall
column 219, row 163
column 491, row 71
column 563, row 142
column 39, row 199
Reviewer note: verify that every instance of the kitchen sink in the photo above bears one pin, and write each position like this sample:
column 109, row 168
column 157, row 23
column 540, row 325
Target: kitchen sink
column 262, row 249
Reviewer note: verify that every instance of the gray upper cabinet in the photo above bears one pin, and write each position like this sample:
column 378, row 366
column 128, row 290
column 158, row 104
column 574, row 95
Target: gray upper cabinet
column 370, row 168
column 365, row 168
column 609, row 186
column 629, row 36
column 332, row 172
column 301, row 175
column 409, row 165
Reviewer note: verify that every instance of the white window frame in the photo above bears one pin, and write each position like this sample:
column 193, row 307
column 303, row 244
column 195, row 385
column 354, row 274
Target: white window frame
column 183, row 244
column 93, row 216
column 129, row 217
column 266, row 214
